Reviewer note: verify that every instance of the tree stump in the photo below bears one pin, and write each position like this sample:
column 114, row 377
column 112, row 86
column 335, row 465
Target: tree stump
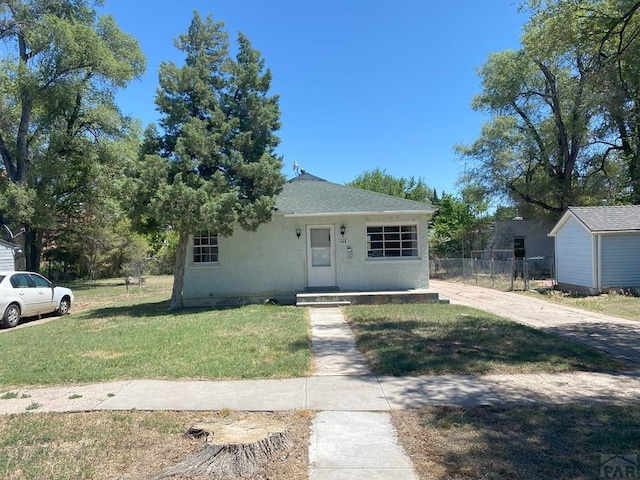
column 234, row 448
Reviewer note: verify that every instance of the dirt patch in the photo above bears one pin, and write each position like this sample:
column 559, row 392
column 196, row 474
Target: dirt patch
column 101, row 354
column 130, row 445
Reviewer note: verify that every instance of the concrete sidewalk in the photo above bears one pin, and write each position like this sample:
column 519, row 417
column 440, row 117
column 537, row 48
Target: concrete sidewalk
column 615, row 336
column 337, row 393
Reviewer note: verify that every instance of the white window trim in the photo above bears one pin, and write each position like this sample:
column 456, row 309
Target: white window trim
column 393, row 224
column 191, row 252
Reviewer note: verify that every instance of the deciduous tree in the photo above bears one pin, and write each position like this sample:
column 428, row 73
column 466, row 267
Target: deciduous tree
column 552, row 140
column 380, row 181
column 460, row 225
column 60, row 129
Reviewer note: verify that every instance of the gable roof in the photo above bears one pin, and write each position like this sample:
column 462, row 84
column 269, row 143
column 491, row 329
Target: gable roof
column 618, row 218
column 307, row 194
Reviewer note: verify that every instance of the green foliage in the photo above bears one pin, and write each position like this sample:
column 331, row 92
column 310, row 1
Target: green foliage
column 18, row 199
column 214, row 167
column 564, row 128
column 380, row 181
column 459, row 226
column 62, row 138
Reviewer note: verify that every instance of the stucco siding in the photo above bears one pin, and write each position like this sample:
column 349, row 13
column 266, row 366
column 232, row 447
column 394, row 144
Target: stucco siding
column 620, row 260
column 363, row 273
column 264, row 263
column 272, row 262
column 574, row 255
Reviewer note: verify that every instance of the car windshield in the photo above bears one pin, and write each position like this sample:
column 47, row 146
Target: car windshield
column 2, row 278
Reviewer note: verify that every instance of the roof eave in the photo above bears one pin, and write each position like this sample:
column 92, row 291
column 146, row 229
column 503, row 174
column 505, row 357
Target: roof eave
column 611, row 232
column 352, row 214
column 561, row 222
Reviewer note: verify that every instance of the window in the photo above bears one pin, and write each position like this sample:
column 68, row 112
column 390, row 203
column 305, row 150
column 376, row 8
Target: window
column 40, row 282
column 21, row 280
column 205, row 248
column 392, row 241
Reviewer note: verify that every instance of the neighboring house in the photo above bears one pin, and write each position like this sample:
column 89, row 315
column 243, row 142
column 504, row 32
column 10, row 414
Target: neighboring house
column 527, row 238
column 598, row 248
column 7, row 256
column 323, row 236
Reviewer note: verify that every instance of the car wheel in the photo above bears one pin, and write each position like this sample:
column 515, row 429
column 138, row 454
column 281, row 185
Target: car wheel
column 65, row 304
column 11, row 316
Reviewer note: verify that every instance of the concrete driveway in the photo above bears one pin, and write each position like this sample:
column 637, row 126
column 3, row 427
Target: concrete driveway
column 618, row 337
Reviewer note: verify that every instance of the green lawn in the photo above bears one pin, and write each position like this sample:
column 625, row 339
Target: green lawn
column 433, row 339
column 112, row 334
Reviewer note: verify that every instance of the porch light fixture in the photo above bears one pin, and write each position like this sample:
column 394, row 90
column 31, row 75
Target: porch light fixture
column 343, row 229
column 298, row 232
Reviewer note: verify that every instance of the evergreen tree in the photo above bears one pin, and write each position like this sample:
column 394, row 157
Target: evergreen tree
column 216, row 168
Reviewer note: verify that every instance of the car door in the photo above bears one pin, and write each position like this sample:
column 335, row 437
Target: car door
column 45, row 300
column 24, row 290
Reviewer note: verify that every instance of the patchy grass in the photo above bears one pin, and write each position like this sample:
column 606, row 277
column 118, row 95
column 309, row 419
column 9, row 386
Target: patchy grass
column 112, row 335
column 33, row 406
column 107, row 445
column 433, row 339
column 516, row 443
column 113, row 292
column 621, row 305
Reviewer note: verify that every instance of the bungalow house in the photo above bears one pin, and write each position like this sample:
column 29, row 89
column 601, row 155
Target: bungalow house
column 323, row 237
column 597, row 248
column 7, row 256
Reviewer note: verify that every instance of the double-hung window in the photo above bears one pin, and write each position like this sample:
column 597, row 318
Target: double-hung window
column 392, row 241
column 205, row 248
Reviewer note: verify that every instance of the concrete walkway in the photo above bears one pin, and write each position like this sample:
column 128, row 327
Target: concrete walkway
column 348, row 444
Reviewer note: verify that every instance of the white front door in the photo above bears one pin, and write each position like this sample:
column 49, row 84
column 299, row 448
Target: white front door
column 321, row 256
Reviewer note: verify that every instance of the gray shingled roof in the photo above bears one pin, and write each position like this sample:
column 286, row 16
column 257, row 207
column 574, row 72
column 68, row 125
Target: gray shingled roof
column 609, row 218
column 307, row 194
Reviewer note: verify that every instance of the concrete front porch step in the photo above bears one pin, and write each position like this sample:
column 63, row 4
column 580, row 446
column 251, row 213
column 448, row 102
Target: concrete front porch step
column 367, row 298
column 324, row 303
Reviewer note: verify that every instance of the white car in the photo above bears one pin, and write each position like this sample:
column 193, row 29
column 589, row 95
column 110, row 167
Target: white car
column 27, row 294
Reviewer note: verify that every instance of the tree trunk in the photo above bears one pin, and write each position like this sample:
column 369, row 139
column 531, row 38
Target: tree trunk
column 33, row 249
column 233, row 448
column 178, row 274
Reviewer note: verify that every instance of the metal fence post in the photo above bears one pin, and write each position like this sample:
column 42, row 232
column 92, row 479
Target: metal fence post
column 513, row 271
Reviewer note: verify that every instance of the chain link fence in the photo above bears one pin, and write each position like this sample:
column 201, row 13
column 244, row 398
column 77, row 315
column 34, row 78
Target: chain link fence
column 488, row 271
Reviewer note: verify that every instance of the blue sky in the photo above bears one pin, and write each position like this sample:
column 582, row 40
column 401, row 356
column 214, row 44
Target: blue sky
column 362, row 83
